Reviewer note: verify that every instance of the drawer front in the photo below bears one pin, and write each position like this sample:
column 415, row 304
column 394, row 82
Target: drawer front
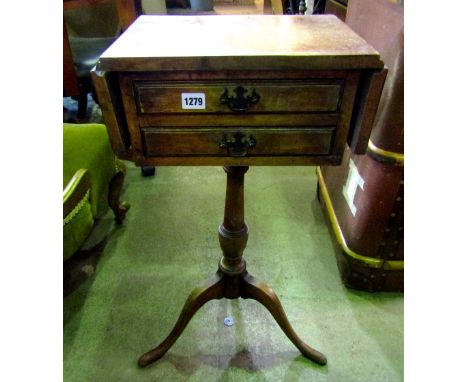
column 237, row 143
column 260, row 96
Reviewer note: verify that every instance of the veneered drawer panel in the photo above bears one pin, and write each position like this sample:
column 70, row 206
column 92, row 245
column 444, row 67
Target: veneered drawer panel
column 286, row 96
column 238, row 120
column 267, row 142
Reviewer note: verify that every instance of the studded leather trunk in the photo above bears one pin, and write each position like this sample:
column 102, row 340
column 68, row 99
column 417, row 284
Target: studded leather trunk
column 363, row 201
column 363, row 198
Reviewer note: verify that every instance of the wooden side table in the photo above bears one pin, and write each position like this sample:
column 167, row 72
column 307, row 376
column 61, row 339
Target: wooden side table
column 237, row 91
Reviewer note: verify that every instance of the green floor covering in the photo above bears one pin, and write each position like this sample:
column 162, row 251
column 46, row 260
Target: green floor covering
column 168, row 244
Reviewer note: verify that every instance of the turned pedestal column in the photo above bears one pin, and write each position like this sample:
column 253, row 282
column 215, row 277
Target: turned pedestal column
column 232, row 279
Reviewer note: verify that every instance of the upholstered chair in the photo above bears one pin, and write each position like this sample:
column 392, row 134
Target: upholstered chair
column 92, row 182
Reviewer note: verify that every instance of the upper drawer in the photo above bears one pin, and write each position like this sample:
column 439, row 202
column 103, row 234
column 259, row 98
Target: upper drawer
column 260, row 96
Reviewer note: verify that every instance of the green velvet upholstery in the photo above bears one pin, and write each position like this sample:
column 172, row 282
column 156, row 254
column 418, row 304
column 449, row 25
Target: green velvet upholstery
column 87, row 146
column 77, row 228
column 92, row 178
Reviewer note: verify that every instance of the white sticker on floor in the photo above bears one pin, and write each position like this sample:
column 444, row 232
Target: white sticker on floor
column 352, row 183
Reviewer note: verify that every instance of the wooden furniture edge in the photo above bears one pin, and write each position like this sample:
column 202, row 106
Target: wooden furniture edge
column 368, row 99
column 127, row 12
column 108, row 106
column 219, row 63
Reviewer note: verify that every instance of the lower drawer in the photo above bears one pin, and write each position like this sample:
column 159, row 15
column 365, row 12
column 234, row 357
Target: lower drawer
column 238, row 142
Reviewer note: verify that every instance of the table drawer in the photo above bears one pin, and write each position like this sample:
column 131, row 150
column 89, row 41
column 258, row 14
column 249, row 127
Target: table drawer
column 235, row 142
column 253, row 96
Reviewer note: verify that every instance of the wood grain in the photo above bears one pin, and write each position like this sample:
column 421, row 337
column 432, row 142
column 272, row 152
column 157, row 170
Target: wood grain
column 236, row 42
column 303, row 79
column 308, row 96
column 365, row 112
column 273, row 141
column 111, row 112
column 235, row 120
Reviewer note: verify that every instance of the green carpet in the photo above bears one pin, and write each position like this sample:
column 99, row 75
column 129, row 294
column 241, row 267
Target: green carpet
column 168, row 244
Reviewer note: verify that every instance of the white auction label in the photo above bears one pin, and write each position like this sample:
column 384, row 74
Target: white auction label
column 193, row 101
column 353, row 181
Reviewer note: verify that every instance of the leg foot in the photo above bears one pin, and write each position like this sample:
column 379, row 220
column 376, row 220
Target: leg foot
column 212, row 289
column 261, row 292
column 148, row 171
column 120, row 208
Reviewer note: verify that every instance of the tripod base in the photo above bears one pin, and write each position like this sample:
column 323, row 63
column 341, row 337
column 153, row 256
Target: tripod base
column 232, row 279
column 231, row 286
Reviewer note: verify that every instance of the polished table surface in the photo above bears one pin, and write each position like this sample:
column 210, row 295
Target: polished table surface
column 238, row 91
column 239, row 42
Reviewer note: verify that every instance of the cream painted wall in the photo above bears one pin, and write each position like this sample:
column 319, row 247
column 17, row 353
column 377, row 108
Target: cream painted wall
column 154, row 7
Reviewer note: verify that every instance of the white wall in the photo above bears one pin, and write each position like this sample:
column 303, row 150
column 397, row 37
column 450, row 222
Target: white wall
column 154, row 7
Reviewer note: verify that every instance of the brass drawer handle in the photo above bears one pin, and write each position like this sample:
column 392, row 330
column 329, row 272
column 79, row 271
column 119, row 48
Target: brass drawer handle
column 239, row 103
column 238, row 145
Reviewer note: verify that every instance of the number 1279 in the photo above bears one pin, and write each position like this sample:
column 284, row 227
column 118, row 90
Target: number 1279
column 193, row 101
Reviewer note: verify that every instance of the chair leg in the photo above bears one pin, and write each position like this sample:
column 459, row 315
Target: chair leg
column 120, row 208
column 82, row 103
